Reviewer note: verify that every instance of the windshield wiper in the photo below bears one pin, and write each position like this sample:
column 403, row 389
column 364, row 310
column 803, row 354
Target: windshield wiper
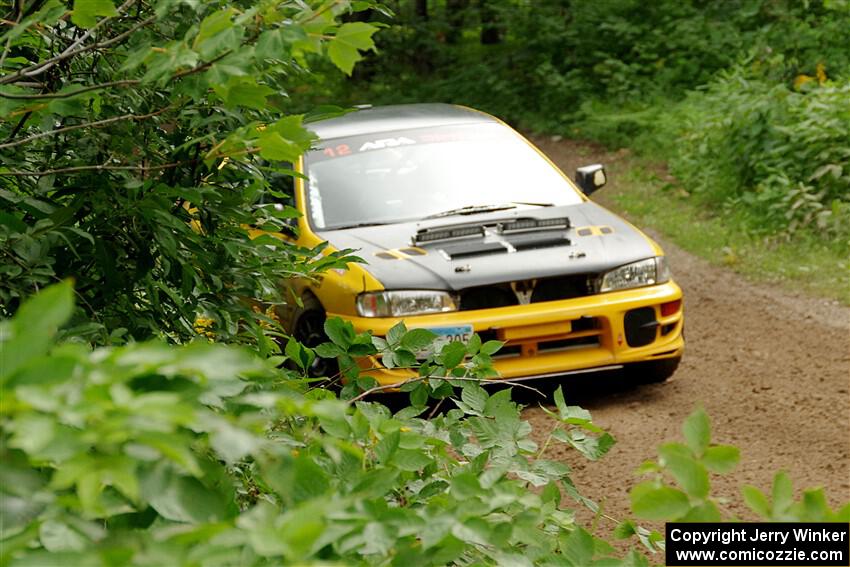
column 474, row 209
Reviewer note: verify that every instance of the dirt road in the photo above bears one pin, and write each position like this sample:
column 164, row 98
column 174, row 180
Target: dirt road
column 771, row 368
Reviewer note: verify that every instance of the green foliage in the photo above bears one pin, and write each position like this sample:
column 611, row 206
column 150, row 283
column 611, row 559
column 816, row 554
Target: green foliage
column 688, row 498
column 746, row 99
column 137, row 144
column 774, row 153
column 151, row 454
column 204, row 454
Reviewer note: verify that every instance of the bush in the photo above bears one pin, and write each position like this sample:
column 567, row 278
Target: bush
column 139, row 145
column 772, row 152
column 149, row 454
column 152, row 454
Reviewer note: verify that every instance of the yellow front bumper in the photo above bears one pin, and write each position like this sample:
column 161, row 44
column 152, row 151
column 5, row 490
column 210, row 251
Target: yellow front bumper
column 540, row 342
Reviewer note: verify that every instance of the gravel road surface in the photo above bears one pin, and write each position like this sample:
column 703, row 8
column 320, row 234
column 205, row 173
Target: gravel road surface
column 771, row 368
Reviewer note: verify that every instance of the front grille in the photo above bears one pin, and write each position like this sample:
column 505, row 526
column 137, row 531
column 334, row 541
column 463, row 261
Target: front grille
column 585, row 333
column 564, row 344
column 487, row 297
column 506, row 350
column 548, row 289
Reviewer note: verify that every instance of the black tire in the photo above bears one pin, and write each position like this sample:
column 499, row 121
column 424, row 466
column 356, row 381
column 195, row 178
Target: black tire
column 652, row 372
column 309, row 330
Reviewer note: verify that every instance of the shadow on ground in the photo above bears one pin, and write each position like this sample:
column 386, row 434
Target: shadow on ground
column 594, row 390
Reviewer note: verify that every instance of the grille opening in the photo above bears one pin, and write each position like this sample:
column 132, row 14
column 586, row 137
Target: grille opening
column 506, row 350
column 667, row 329
column 487, row 297
column 564, row 287
column 548, row 289
column 640, row 326
column 586, row 324
column 568, row 343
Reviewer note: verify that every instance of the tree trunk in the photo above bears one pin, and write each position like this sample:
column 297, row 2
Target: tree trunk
column 490, row 33
column 455, row 12
column 422, row 10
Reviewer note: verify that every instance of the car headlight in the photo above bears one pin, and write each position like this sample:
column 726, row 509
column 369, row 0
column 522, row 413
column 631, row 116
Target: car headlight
column 401, row 303
column 637, row 274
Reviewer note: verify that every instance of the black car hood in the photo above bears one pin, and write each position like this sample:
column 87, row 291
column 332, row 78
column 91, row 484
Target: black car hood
column 596, row 241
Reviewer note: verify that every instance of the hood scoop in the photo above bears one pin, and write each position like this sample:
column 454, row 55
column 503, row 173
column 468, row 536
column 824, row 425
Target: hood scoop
column 506, row 244
column 465, row 250
column 477, row 230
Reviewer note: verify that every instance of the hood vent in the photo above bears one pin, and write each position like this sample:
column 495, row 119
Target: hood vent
column 426, row 235
column 536, row 242
column 470, row 250
column 532, row 224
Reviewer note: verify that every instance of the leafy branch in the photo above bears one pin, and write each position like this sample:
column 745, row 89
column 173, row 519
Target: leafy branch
column 95, row 124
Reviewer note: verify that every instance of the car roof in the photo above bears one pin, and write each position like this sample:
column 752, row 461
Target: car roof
column 397, row 117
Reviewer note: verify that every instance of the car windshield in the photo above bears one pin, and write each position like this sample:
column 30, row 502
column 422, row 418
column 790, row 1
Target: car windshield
column 407, row 175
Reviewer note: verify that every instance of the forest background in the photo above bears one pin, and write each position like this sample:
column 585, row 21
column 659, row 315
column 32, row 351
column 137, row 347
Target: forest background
column 152, row 415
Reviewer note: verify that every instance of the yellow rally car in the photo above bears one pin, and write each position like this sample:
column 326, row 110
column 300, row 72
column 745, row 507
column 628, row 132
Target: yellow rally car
column 468, row 228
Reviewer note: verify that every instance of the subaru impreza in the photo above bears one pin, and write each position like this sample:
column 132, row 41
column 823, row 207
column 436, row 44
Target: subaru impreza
column 466, row 227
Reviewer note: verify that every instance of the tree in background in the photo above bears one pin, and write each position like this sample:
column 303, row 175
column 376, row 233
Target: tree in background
column 136, row 143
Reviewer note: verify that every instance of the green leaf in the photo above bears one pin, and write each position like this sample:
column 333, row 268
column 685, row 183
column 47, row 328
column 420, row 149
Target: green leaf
column 697, row 430
column 475, row 397
column 386, row 447
column 328, row 350
column 721, row 458
column 705, row 512
column 56, row 536
column 47, row 15
column 419, row 395
column 244, row 91
column 783, row 493
column 411, row 460
column 34, row 325
column 625, row 530
column 653, row 502
column 591, row 447
column 404, row 358
column 86, row 11
column 299, row 354
column 689, row 473
column 578, row 547
column 395, row 334
column 491, row 347
column 452, row 354
column 416, row 340
column 551, row 493
column 212, row 25
column 815, row 506
column 274, row 147
column 182, row 499
column 756, row 500
column 232, row 443
column 340, row 332
column 344, row 48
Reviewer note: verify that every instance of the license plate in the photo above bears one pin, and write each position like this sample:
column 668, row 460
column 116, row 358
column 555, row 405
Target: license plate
column 446, row 335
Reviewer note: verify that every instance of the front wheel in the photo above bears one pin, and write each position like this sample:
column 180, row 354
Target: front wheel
column 652, row 372
column 309, row 330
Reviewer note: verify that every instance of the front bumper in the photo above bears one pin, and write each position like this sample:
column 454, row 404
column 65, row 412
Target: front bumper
column 540, row 342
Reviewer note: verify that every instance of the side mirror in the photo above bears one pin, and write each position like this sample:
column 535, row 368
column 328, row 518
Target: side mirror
column 591, row 177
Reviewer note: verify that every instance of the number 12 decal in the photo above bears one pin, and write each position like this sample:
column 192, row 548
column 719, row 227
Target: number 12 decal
column 340, row 150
